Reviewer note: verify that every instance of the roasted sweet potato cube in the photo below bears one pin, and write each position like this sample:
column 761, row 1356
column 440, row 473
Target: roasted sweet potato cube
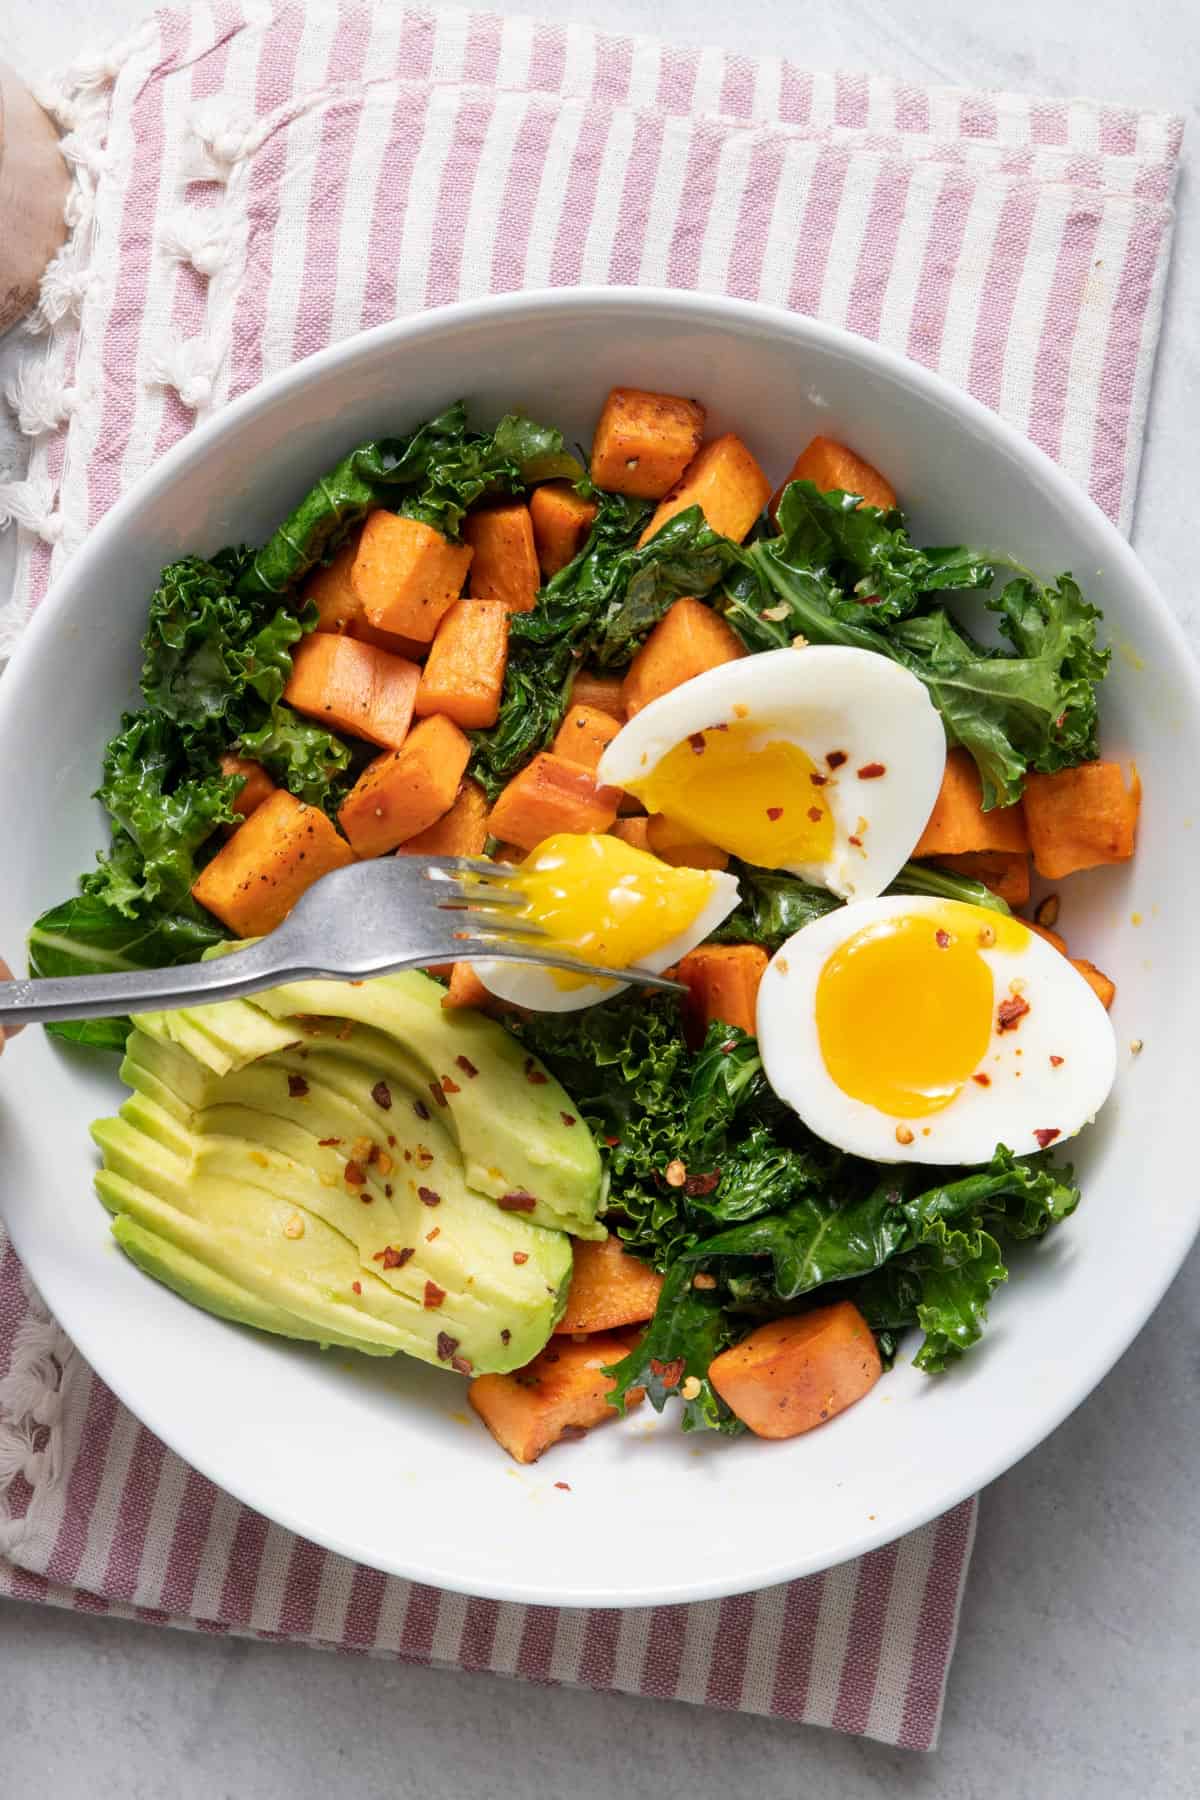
column 958, row 823
column 407, row 575
column 584, row 734
column 633, row 831
column 561, row 520
column 466, row 989
column 549, row 795
column 609, row 1288
column 1081, row 817
column 795, row 1373
column 564, row 1389
column 1005, row 872
column 722, row 982
column 679, row 845
column 600, row 691
column 410, row 648
column 505, row 565
column 460, row 832
column 254, row 881
column 1104, row 989
column 644, row 442
column 831, row 466
column 725, row 481
column 353, row 687
column 464, row 675
column 405, row 791
column 331, row 590
column 256, row 787
column 688, row 639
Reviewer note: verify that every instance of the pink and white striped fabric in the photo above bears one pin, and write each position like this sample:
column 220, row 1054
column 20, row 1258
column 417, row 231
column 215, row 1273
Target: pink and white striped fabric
column 254, row 184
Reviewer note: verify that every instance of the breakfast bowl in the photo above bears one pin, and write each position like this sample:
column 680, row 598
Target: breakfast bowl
column 381, row 1460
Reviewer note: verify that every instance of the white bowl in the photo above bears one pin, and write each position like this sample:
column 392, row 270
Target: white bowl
column 383, row 1462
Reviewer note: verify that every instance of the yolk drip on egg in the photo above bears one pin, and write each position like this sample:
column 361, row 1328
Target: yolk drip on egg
column 762, row 799
column 606, row 900
column 905, row 1008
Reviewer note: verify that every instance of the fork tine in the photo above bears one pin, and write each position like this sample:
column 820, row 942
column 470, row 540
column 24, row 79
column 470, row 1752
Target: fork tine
column 450, row 892
column 443, row 868
column 503, row 929
column 482, row 950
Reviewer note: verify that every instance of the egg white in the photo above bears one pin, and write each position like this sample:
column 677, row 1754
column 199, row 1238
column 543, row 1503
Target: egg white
column 825, row 699
column 524, row 984
column 1027, row 1093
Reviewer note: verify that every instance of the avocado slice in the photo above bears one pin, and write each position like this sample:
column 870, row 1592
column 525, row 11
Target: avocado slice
column 228, row 1169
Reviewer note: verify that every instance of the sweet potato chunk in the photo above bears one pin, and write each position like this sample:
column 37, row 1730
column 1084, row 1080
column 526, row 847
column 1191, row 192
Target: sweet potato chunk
column 679, row 845
column 583, row 735
column 331, row 590
column 407, row 790
column 608, row 1289
column 1081, row 817
column 466, row 989
column 407, row 575
column 1006, row 873
column 795, row 1373
column 829, row 466
column 256, row 787
column 722, row 982
column 633, row 831
column 725, row 481
column 1097, row 980
column 254, row 881
column 688, row 639
column 549, row 795
column 464, row 676
column 644, row 442
column 603, row 692
column 958, row 823
column 410, row 648
column 460, row 832
column 353, row 687
column 562, row 520
column 505, row 566
column 563, row 1389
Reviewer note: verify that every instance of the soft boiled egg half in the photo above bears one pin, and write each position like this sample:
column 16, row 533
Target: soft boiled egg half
column 607, row 902
column 823, row 761
column 929, row 1031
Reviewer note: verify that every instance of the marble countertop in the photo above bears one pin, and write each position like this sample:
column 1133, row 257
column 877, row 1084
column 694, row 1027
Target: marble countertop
column 1075, row 1670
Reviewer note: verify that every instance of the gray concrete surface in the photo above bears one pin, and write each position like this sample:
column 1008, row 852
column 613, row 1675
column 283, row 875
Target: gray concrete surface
column 1076, row 1668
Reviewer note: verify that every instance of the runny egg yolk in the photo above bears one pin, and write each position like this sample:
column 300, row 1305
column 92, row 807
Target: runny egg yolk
column 761, row 798
column 905, row 1007
column 606, row 900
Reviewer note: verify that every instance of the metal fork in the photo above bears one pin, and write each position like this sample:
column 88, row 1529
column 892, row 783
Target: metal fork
column 372, row 918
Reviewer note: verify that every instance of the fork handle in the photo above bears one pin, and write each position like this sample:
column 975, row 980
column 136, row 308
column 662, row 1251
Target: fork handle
column 55, row 999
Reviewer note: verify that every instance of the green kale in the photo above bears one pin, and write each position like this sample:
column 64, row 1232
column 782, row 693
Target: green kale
column 688, row 1330
column 771, row 906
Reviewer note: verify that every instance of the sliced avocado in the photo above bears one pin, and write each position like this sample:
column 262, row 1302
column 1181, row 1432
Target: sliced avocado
column 238, row 1031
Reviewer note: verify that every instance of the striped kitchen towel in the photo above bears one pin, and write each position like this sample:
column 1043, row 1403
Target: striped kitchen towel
column 252, row 184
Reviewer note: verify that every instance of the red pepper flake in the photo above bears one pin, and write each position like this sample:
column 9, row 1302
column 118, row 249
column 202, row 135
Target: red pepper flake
column 982, row 1080
column 535, row 1076
column 854, row 840
column 391, row 1141
column 517, row 1201
column 434, row 1295
column 1047, row 1136
column 520, row 1256
column 835, row 758
column 702, row 1184
column 669, row 1373
column 564, row 1485
column 727, row 1047
column 446, row 1346
column 388, row 1189
column 467, row 1066
column 774, row 812
column 872, row 771
column 450, row 1087
column 868, row 600
column 435, row 1088
column 1056, row 1062
column 506, row 1335
column 815, row 814
column 297, row 1087
column 462, row 1365
column 356, row 1287
column 612, row 1141
column 942, row 939
column 393, row 1259
column 567, row 1118
column 326, row 1143
column 696, row 740
column 1010, row 1012
column 354, row 1176
column 420, row 1108
column 819, row 780
column 381, row 1094
column 428, row 1197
